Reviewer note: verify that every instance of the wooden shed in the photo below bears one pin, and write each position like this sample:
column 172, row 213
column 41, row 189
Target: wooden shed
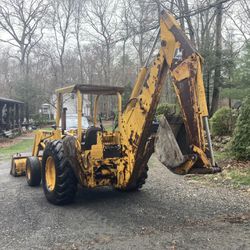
column 11, row 114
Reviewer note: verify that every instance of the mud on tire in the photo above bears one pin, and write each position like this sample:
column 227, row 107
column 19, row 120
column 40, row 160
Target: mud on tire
column 65, row 186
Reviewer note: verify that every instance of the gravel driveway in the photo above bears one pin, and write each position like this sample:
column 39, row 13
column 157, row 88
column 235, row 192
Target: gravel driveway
column 168, row 213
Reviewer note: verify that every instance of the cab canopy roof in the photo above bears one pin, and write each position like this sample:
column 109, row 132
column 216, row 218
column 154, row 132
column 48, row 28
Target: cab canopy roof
column 91, row 89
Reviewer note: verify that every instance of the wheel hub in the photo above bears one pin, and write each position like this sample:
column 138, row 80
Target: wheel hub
column 28, row 173
column 50, row 173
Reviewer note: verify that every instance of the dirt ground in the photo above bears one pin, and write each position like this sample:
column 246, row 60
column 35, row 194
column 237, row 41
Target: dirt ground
column 170, row 212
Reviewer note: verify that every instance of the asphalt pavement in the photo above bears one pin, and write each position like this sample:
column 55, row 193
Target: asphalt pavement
column 170, row 212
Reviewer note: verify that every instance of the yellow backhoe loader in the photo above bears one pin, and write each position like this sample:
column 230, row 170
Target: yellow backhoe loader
column 96, row 157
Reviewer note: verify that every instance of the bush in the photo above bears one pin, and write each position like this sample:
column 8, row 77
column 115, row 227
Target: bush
column 41, row 120
column 241, row 136
column 223, row 122
column 166, row 109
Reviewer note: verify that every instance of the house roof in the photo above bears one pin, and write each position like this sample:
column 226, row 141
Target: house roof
column 91, row 89
column 3, row 99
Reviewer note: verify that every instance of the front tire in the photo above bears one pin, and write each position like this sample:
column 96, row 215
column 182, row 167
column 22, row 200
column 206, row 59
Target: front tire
column 33, row 171
column 58, row 179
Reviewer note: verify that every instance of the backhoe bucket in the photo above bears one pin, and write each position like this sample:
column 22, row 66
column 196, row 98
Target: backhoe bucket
column 18, row 165
column 169, row 154
column 168, row 151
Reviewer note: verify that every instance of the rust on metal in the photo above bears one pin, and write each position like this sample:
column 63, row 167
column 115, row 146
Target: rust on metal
column 186, row 96
column 145, row 145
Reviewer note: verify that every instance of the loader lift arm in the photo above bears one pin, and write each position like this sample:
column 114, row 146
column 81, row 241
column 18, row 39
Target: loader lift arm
column 178, row 57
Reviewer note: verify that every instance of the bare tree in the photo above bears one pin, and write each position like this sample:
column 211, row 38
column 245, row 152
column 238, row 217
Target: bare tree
column 240, row 17
column 124, row 33
column 142, row 15
column 100, row 15
column 61, row 23
column 218, row 56
column 78, row 21
column 6, row 74
column 21, row 21
column 106, row 41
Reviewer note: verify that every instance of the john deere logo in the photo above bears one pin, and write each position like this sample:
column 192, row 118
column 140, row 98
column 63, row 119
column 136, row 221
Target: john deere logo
column 178, row 55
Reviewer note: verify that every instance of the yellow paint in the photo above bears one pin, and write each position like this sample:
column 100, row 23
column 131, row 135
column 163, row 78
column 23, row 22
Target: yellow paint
column 95, row 110
column 138, row 83
column 169, row 43
column 130, row 141
column 79, row 115
column 119, row 98
column 19, row 165
column 201, row 90
column 50, row 173
column 39, row 144
column 28, row 173
column 65, row 90
column 58, row 108
column 202, row 156
column 181, row 72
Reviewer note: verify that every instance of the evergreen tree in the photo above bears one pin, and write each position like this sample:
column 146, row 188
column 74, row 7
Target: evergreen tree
column 241, row 138
column 240, row 82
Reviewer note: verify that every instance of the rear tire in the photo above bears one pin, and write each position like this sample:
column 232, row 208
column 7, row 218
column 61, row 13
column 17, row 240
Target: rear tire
column 33, row 171
column 58, row 179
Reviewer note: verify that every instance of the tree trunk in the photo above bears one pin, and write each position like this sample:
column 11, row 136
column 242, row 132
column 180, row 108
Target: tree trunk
column 80, row 57
column 123, row 62
column 62, row 70
column 189, row 22
column 218, row 55
column 208, row 87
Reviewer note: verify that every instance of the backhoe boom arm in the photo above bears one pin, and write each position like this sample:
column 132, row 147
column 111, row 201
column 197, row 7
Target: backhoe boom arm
column 178, row 57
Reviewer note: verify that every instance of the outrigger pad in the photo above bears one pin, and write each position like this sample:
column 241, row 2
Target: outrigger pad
column 166, row 147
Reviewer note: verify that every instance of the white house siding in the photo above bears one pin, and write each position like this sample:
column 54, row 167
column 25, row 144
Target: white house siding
column 70, row 102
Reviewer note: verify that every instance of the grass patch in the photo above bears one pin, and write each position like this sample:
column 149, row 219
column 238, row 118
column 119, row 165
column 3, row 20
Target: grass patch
column 222, row 155
column 46, row 128
column 240, row 177
column 234, row 173
column 22, row 146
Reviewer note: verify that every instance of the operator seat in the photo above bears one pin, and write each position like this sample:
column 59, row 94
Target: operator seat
column 91, row 137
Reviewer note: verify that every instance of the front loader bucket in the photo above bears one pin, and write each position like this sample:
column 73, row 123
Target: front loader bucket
column 18, row 165
column 169, row 153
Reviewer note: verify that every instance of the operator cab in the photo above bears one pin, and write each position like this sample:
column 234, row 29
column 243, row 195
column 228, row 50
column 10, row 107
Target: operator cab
column 77, row 124
column 71, row 122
